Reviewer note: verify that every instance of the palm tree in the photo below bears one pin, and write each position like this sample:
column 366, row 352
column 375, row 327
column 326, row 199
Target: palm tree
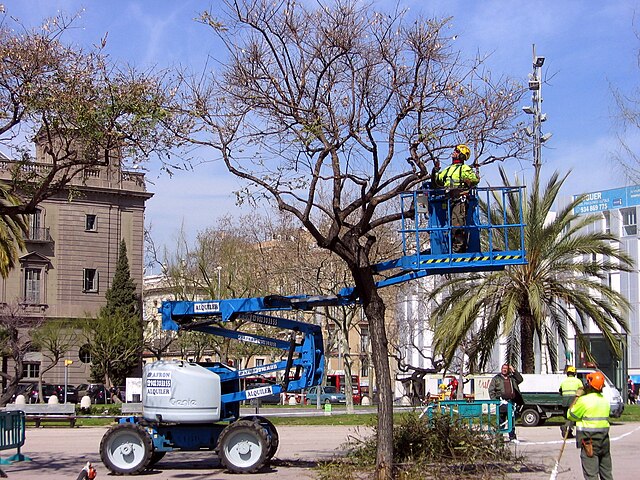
column 567, row 267
column 13, row 229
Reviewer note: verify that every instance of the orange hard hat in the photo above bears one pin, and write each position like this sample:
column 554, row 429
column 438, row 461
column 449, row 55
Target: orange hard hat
column 596, row 380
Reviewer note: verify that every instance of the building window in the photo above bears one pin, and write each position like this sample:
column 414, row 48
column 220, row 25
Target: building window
column 31, row 370
column 629, row 223
column 90, row 280
column 364, row 367
column 259, row 362
column 91, row 223
column 364, row 338
column 35, row 224
column 607, row 221
column 37, row 231
column 32, row 285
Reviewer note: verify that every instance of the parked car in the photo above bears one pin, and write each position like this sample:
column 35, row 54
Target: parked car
column 96, row 391
column 47, row 391
column 328, row 394
column 72, row 393
column 24, row 389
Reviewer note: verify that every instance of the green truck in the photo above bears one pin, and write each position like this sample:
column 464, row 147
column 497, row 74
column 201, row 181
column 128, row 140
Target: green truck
column 542, row 399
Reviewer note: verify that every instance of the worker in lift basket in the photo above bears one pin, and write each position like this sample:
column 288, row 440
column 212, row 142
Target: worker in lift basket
column 590, row 411
column 457, row 178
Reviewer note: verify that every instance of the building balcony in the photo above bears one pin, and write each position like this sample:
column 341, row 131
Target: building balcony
column 92, row 176
column 105, row 178
column 38, row 235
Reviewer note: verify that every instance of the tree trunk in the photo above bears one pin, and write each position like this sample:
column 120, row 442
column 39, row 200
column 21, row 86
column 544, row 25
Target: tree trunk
column 380, row 352
column 348, row 383
column 527, row 355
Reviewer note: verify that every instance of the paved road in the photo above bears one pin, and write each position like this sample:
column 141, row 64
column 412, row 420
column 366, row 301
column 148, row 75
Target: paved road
column 60, row 453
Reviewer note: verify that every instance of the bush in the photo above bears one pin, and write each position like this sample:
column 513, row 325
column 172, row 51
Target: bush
column 440, row 446
column 100, row 409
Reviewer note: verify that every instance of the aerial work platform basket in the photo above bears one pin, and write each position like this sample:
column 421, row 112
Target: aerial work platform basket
column 493, row 228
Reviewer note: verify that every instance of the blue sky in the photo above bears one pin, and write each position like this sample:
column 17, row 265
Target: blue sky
column 589, row 46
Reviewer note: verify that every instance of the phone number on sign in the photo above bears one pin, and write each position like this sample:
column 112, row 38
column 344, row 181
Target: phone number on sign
column 593, row 208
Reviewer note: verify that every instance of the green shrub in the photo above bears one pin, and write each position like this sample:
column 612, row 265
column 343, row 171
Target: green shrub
column 100, row 409
column 440, row 446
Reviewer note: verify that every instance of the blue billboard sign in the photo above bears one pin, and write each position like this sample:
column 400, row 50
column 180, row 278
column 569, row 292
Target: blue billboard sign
column 608, row 200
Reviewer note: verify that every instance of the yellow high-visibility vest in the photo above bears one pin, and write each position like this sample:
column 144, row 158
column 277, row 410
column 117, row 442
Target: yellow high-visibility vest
column 570, row 386
column 591, row 413
column 457, row 175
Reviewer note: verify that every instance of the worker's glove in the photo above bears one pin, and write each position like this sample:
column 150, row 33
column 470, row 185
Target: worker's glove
column 504, row 402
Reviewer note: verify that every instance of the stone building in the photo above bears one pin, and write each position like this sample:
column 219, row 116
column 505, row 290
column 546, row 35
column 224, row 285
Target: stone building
column 72, row 251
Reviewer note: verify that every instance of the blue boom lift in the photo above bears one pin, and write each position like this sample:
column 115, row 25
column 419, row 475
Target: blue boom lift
column 189, row 407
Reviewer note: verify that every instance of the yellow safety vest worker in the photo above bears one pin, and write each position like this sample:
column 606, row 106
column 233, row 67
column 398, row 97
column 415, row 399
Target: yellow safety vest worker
column 591, row 413
column 570, row 386
column 457, row 175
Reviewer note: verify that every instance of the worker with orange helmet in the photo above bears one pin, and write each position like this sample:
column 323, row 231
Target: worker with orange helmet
column 590, row 411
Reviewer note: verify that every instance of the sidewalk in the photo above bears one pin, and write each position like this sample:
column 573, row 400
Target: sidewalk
column 60, row 453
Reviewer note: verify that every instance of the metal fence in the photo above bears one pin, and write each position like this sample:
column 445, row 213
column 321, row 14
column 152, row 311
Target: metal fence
column 482, row 415
column 12, row 435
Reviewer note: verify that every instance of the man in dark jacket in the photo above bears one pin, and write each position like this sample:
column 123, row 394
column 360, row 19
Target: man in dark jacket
column 504, row 386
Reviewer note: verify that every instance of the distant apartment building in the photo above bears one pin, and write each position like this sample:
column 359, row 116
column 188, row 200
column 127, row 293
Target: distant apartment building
column 618, row 214
column 72, row 250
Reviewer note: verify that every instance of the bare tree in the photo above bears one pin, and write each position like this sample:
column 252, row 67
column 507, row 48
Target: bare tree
column 226, row 260
column 54, row 339
column 15, row 341
column 158, row 342
column 628, row 118
column 331, row 111
column 77, row 105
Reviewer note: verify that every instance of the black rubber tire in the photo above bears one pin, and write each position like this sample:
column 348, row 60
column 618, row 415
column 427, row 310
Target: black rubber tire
column 126, row 449
column 156, row 457
column 243, row 446
column 273, row 434
column 530, row 417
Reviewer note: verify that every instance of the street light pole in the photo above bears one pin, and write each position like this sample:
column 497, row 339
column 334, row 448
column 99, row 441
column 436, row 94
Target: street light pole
column 219, row 269
column 66, row 377
column 535, row 85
